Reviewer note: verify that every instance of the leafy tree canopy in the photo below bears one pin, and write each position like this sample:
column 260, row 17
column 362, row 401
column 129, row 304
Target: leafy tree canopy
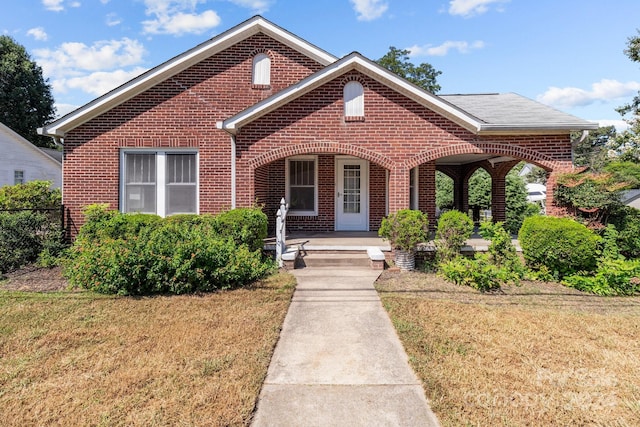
column 423, row 75
column 26, row 102
column 592, row 151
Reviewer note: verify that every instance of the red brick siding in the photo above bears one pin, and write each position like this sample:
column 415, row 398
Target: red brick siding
column 179, row 112
column 377, row 195
column 397, row 133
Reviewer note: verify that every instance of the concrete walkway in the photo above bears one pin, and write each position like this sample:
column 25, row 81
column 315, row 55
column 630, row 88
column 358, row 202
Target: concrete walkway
column 339, row 361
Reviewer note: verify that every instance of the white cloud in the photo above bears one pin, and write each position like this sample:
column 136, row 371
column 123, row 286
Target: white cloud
column 53, row 5
column 64, row 109
column 469, row 8
column 74, row 57
column 182, row 23
column 178, row 17
column 99, row 82
column 112, row 19
column 38, row 33
column 94, row 69
column 444, row 48
column 75, row 4
column 620, row 125
column 258, row 6
column 602, row 91
column 368, row 10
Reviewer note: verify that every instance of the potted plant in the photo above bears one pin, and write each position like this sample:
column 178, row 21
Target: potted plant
column 404, row 230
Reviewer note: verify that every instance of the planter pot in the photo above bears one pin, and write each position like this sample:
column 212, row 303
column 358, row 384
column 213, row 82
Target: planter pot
column 406, row 260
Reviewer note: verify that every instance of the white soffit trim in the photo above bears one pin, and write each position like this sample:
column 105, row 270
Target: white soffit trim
column 353, row 61
column 162, row 72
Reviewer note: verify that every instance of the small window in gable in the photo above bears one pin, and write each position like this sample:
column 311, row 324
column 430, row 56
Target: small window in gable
column 353, row 101
column 261, row 70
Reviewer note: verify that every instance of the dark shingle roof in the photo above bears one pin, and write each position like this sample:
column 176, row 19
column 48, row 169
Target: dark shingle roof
column 510, row 109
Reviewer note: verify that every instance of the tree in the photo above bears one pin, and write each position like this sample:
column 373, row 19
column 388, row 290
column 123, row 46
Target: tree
column 626, row 146
column 444, row 191
column 26, row 102
column 592, row 151
column 423, row 75
column 480, row 189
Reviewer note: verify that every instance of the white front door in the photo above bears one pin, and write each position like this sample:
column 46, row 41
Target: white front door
column 352, row 194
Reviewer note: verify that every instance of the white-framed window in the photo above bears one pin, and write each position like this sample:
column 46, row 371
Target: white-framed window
column 261, row 70
column 18, row 177
column 302, row 185
column 161, row 182
column 413, row 188
column 353, row 93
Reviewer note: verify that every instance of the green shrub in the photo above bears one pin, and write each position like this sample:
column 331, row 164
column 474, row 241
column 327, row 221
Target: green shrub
column 133, row 254
column 104, row 223
column 20, row 238
column 502, row 252
column 562, row 245
column 627, row 222
column 30, row 195
column 478, row 273
column 613, row 277
column 243, row 225
column 454, row 229
column 405, row 229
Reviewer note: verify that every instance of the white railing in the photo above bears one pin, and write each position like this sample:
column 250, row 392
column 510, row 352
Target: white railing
column 281, row 225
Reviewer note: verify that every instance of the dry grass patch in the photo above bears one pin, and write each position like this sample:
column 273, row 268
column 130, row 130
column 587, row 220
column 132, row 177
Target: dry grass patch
column 78, row 358
column 539, row 354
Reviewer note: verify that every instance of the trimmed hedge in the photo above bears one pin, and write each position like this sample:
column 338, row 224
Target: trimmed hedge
column 143, row 254
column 561, row 245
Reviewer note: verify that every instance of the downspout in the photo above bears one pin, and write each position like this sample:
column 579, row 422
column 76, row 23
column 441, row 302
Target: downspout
column 233, row 171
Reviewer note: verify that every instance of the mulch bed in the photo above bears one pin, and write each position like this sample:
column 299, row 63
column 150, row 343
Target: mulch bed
column 34, row 279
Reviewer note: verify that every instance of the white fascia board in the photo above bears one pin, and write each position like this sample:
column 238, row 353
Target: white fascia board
column 180, row 63
column 353, row 61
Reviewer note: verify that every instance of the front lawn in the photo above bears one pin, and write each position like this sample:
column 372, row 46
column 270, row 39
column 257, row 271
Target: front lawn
column 79, row 358
column 539, row 354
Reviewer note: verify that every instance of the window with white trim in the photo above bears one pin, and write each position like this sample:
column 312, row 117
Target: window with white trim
column 261, row 70
column 159, row 182
column 353, row 93
column 18, row 177
column 413, row 188
column 302, row 185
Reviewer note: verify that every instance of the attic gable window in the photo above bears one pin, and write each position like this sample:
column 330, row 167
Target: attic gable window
column 261, row 78
column 353, row 93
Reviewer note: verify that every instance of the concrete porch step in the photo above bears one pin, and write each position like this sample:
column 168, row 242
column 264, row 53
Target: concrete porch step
column 334, row 259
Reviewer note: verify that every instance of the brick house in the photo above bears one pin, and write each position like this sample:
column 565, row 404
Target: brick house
column 257, row 114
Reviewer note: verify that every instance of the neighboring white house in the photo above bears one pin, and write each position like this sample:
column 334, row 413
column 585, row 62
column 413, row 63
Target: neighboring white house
column 536, row 192
column 21, row 161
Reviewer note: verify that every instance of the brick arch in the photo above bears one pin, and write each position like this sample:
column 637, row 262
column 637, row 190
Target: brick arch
column 515, row 151
column 321, row 148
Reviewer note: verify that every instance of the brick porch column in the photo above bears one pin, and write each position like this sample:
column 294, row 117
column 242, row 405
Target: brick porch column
column 552, row 180
column 427, row 191
column 498, row 195
column 398, row 188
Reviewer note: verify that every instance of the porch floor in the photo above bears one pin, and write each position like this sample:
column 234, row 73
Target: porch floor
column 360, row 241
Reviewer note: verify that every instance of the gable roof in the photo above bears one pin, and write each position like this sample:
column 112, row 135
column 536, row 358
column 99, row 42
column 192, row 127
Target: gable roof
column 480, row 114
column 145, row 81
column 7, row 134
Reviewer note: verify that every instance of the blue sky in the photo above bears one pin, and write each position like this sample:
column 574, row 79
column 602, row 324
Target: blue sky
column 564, row 53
